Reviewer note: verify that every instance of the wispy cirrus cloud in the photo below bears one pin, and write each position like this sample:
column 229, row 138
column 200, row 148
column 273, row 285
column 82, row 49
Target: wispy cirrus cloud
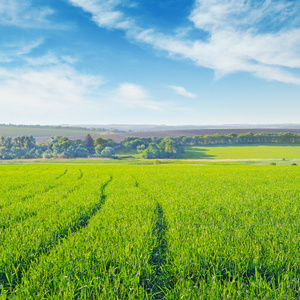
column 262, row 38
column 212, row 15
column 105, row 13
column 18, row 49
column 182, row 91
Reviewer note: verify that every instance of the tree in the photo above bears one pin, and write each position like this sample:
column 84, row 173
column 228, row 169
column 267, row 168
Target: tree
column 179, row 139
column 88, row 141
column 153, row 151
column 2, row 151
column 81, row 151
column 56, row 149
column 8, row 143
column 108, row 152
column 198, row 139
column 147, row 154
column 47, row 154
column 169, row 145
column 99, row 141
column 98, row 149
column 127, row 140
column 103, row 142
column 187, row 140
column 38, row 153
column 141, row 148
column 64, row 143
column 69, row 153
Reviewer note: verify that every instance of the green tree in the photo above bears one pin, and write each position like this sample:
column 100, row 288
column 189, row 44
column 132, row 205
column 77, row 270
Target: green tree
column 64, row 143
column 81, row 151
column 88, row 141
column 2, row 151
column 48, row 154
column 108, row 152
column 99, row 141
column 169, row 145
column 98, row 149
column 141, row 148
column 153, row 151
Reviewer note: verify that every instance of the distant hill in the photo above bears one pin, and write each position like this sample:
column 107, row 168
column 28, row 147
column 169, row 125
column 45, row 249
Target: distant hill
column 145, row 127
column 118, row 132
column 43, row 133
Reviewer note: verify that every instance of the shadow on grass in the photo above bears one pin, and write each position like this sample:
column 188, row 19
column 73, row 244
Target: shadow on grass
column 159, row 281
column 196, row 153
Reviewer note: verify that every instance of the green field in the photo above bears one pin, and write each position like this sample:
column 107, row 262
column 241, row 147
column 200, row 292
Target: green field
column 149, row 232
column 242, row 152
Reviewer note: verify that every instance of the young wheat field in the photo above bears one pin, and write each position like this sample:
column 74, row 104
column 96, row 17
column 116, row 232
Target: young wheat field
column 149, row 232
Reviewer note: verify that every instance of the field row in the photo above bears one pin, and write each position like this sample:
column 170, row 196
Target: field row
column 149, row 232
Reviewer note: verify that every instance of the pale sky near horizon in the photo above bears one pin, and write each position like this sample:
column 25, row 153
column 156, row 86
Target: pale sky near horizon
column 173, row 62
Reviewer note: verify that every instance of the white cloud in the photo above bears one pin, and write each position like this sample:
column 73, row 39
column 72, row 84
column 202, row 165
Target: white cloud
column 104, row 12
column 212, row 15
column 47, row 59
column 23, row 14
column 134, row 95
column 132, row 91
column 235, row 42
column 18, row 49
column 46, row 90
column 182, row 91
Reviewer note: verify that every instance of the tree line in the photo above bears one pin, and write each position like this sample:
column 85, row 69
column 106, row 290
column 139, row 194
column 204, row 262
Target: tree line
column 148, row 147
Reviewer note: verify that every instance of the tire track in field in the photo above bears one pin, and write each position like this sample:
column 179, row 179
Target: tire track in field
column 158, row 282
column 57, row 238
column 81, row 175
column 32, row 195
column 34, row 213
column 61, row 175
column 20, row 186
column 45, row 189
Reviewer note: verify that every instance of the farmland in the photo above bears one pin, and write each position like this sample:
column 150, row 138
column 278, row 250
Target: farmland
column 44, row 133
column 242, row 152
column 149, row 232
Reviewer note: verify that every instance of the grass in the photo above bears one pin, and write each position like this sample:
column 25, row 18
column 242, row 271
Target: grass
column 134, row 161
column 242, row 152
column 128, row 153
column 149, row 232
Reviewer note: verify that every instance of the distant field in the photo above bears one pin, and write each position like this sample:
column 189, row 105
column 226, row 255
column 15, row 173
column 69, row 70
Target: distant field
column 242, row 152
column 42, row 134
column 192, row 132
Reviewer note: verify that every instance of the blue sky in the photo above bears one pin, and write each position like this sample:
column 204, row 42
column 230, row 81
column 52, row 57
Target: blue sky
column 171, row 62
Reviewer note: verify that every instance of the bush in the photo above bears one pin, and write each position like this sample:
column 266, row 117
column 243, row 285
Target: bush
column 157, row 162
column 294, row 164
column 273, row 164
